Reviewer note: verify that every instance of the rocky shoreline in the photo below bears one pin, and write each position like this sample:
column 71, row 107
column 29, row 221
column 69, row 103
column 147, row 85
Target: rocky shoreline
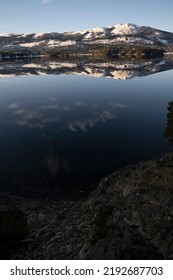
column 128, row 216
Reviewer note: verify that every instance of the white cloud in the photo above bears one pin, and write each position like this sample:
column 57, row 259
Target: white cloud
column 46, row 1
column 119, row 105
column 13, row 106
column 87, row 123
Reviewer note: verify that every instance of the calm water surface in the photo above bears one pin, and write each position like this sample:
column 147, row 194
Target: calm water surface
column 59, row 135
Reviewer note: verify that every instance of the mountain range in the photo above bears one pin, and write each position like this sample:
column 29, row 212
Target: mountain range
column 122, row 51
column 85, row 42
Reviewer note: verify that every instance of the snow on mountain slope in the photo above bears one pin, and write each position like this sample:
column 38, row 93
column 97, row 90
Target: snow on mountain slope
column 37, row 35
column 57, row 43
column 121, row 33
column 5, row 35
column 125, row 29
column 30, row 45
column 119, row 29
column 96, row 33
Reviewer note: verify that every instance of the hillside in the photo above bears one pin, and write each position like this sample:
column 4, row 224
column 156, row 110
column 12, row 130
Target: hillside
column 85, row 42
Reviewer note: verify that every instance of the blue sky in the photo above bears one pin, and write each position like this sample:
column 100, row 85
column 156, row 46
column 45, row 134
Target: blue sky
column 29, row 16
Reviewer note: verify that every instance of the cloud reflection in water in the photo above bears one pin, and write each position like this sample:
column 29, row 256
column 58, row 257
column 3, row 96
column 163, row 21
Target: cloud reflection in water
column 70, row 116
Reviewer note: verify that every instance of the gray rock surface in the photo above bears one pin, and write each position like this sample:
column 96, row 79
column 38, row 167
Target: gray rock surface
column 128, row 216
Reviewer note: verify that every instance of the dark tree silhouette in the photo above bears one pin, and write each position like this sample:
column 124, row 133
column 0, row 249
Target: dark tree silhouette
column 168, row 132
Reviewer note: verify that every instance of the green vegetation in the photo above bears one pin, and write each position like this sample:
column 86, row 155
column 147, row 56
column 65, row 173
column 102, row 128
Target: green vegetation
column 13, row 229
column 63, row 54
column 102, row 52
column 98, row 52
column 127, row 52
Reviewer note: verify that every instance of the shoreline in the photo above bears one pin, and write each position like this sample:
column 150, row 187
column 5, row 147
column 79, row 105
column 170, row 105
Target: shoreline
column 129, row 215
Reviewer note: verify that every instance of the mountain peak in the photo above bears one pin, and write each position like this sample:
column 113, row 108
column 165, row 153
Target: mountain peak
column 125, row 28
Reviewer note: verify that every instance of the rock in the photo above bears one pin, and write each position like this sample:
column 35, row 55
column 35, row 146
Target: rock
column 128, row 216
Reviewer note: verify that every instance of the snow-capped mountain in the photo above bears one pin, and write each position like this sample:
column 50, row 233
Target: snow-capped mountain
column 96, row 52
column 121, row 34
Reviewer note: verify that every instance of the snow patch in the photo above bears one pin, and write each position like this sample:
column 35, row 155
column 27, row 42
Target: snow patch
column 54, row 65
column 37, row 35
column 162, row 41
column 96, row 33
column 30, row 45
column 33, row 65
column 75, row 33
column 119, row 39
column 23, row 35
column 160, row 63
column 125, row 29
column 41, row 73
column 53, row 43
column 50, row 65
column 122, row 75
column 102, row 30
column 5, row 34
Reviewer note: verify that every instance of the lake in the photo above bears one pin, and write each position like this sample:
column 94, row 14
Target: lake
column 60, row 134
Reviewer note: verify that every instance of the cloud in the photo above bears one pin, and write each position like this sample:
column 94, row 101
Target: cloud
column 77, row 116
column 119, row 105
column 46, row 1
column 85, row 124
column 79, row 104
column 13, row 106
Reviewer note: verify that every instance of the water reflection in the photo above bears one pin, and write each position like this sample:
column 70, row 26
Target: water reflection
column 62, row 133
column 40, row 116
column 115, row 69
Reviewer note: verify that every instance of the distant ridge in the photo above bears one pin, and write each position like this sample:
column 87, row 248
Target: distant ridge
column 126, row 34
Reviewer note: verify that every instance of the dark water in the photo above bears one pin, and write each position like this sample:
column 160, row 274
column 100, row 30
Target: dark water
column 59, row 135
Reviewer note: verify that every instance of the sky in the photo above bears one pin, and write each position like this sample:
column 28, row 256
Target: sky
column 30, row 16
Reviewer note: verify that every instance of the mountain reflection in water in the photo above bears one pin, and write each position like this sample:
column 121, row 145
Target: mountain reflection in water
column 112, row 69
column 60, row 134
